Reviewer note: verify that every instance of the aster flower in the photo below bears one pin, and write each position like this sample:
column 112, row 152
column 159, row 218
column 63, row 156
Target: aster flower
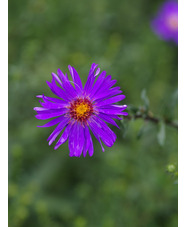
column 79, row 110
column 165, row 24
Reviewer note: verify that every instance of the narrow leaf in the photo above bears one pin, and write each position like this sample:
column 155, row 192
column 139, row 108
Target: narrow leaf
column 145, row 98
column 161, row 134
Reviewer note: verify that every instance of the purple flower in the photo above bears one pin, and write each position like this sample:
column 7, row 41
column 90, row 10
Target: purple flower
column 165, row 25
column 79, row 110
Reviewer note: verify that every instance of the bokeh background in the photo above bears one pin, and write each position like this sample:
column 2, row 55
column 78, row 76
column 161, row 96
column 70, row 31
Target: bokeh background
column 128, row 184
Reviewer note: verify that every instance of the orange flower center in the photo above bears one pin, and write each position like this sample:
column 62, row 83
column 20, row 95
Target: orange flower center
column 81, row 109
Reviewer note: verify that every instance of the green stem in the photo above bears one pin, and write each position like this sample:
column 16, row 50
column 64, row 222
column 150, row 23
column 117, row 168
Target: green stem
column 148, row 117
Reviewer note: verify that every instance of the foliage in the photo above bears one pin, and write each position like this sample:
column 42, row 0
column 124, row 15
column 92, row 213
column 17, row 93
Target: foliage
column 130, row 184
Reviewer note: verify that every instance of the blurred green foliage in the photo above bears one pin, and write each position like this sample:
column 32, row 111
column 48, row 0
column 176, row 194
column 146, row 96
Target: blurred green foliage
column 128, row 184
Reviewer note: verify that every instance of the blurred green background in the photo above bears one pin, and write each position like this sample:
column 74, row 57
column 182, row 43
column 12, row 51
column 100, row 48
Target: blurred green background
column 128, row 184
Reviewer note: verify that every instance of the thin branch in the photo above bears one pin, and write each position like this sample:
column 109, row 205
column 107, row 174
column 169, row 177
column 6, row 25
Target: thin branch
column 152, row 119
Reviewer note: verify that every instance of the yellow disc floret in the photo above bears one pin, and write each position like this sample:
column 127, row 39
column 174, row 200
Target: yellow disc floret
column 81, row 109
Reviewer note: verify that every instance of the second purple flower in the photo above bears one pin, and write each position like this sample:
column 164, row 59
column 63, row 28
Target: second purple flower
column 165, row 24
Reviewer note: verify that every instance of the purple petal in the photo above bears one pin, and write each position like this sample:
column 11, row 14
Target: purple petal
column 51, row 99
column 57, row 79
column 98, row 138
column 97, row 72
column 64, row 137
column 111, row 111
column 43, row 110
column 108, row 119
column 57, row 130
column 92, row 69
column 51, row 105
column 67, row 86
column 97, row 84
column 105, row 127
column 53, row 122
column 57, row 91
column 38, row 109
column 68, row 91
column 61, row 75
column 103, row 149
column 50, row 115
column 91, row 147
column 98, row 131
column 87, row 141
column 110, row 100
column 76, row 140
column 113, row 107
column 77, row 81
column 72, row 139
column 79, row 140
column 39, row 96
column 108, row 94
column 115, row 117
column 90, row 79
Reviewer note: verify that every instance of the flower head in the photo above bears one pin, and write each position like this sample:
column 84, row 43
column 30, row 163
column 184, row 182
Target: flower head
column 79, row 110
column 165, row 24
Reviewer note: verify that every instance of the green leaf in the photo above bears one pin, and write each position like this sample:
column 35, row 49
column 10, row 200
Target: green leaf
column 141, row 132
column 124, row 127
column 132, row 109
column 171, row 168
column 169, row 110
column 161, row 134
column 174, row 97
column 145, row 98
